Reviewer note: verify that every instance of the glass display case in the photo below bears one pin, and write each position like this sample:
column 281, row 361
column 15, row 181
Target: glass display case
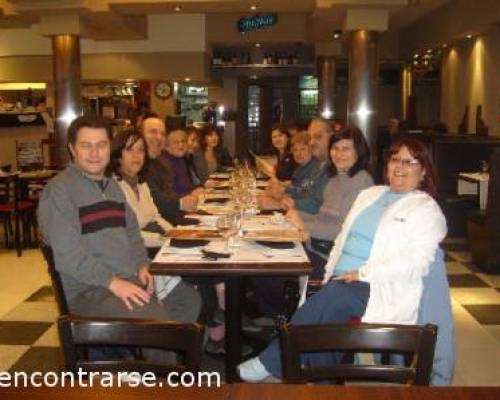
column 193, row 100
column 308, row 97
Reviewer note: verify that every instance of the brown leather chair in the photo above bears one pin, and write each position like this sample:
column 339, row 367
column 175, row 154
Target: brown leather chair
column 75, row 332
column 416, row 342
column 484, row 226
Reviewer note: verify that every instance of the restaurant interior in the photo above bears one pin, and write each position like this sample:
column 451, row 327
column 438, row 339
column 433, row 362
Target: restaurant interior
column 244, row 65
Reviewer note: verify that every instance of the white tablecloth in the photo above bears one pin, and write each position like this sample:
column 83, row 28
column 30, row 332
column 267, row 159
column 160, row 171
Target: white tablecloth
column 469, row 182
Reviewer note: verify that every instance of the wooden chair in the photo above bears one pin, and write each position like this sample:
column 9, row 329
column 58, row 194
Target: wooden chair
column 12, row 206
column 419, row 341
column 79, row 334
column 75, row 331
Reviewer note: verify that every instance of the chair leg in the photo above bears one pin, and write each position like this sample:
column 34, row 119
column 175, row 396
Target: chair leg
column 17, row 239
column 9, row 233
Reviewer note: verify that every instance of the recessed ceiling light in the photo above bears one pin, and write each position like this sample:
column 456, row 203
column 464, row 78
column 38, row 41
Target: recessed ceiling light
column 187, row 79
column 257, row 44
column 337, row 33
column 253, row 7
column 469, row 36
column 444, row 45
column 429, row 51
column 177, row 8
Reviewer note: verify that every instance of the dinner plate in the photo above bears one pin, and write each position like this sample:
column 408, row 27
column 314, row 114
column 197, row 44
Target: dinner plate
column 194, row 234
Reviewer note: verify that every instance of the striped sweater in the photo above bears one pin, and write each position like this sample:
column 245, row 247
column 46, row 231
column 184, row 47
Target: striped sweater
column 92, row 231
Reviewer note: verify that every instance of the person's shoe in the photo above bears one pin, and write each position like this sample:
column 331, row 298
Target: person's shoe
column 247, row 324
column 253, row 371
column 218, row 347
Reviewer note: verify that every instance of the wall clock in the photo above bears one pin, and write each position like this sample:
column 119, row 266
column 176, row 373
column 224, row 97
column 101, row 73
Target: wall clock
column 163, row 90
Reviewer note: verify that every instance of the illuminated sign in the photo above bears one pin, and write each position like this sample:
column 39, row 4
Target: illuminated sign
column 258, row 21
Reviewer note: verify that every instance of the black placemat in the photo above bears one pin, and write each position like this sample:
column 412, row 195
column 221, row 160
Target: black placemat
column 188, row 243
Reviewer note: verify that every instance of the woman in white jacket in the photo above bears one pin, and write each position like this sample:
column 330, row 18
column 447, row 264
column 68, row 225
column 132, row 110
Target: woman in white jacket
column 376, row 268
column 128, row 162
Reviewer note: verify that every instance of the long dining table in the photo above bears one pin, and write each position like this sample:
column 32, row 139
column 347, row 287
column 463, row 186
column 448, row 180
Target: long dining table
column 243, row 258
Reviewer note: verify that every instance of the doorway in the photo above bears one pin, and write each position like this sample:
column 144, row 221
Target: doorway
column 264, row 102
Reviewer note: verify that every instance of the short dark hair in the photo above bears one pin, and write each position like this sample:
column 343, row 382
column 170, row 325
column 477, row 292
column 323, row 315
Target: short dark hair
column 420, row 152
column 298, row 125
column 87, row 121
column 147, row 115
column 125, row 140
column 360, row 146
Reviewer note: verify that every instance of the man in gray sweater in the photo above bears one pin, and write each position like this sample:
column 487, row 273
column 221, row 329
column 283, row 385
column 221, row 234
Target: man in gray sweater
column 95, row 238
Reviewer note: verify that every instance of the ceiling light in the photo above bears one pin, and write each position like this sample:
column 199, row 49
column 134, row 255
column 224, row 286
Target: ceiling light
column 177, row 8
column 187, row 79
column 257, row 44
column 469, row 36
column 253, row 8
column 444, row 45
column 326, row 113
column 363, row 112
column 337, row 33
column 429, row 51
column 416, row 55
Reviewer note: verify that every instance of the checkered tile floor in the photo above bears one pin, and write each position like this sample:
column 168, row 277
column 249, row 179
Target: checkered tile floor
column 29, row 342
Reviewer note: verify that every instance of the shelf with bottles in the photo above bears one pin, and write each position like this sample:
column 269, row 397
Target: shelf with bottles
column 278, row 56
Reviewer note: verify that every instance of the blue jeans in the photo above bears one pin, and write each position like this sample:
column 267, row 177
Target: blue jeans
column 336, row 302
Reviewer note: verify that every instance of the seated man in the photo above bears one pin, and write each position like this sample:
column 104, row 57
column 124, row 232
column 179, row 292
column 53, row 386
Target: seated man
column 159, row 175
column 95, row 238
column 175, row 156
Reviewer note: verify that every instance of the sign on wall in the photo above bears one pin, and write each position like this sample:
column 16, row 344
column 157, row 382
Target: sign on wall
column 259, row 21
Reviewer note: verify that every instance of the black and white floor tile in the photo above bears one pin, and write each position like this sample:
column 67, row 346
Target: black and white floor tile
column 29, row 341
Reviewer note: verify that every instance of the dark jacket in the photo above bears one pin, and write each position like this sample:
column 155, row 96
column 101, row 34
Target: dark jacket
column 286, row 167
column 161, row 184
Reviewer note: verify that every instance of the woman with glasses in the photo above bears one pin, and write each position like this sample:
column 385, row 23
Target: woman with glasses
column 376, row 268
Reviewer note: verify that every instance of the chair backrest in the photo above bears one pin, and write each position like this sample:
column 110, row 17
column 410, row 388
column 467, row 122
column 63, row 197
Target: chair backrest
column 9, row 190
column 55, row 277
column 76, row 331
column 370, row 338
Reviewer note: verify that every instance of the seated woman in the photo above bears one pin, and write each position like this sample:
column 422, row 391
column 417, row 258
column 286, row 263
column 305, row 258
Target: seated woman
column 307, row 167
column 280, row 139
column 349, row 156
column 128, row 162
column 213, row 156
column 381, row 256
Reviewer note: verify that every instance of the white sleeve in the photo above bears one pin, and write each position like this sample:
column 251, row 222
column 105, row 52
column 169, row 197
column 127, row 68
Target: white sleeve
column 424, row 229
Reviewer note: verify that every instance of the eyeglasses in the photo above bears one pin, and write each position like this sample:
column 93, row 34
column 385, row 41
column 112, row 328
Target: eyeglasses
column 406, row 163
